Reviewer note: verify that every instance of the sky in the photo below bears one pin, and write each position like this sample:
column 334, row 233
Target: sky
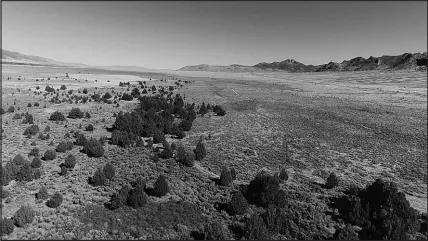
column 170, row 35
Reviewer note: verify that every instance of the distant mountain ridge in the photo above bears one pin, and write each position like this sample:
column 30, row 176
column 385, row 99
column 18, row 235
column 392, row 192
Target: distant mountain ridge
column 404, row 61
column 9, row 57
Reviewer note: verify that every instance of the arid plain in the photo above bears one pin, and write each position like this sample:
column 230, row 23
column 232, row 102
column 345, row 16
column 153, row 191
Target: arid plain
column 359, row 125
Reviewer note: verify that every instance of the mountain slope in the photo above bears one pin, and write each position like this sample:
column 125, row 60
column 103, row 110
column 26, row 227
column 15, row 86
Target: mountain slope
column 9, row 57
column 221, row 68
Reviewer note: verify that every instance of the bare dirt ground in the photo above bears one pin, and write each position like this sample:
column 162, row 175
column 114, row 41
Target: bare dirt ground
column 360, row 125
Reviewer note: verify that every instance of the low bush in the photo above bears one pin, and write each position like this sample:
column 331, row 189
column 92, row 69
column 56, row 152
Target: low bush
column 7, row 226
column 216, row 230
column 93, row 148
column 121, row 138
column 119, row 199
column 49, row 155
column 25, row 173
column 57, row 116
column 161, row 187
column 75, row 113
column 283, row 175
column 238, row 204
column 70, row 161
column 255, row 228
column 137, row 197
column 346, row 233
column 37, row 173
column 31, row 130
column 90, row 127
column 109, row 171
column 99, row 178
column 63, row 171
column 167, row 151
column 200, row 151
column 332, row 181
column 42, row 194
column 36, row 162
column 225, row 177
column 24, row 215
column 64, row 146
column 55, row 200
column 264, row 190
column 80, row 139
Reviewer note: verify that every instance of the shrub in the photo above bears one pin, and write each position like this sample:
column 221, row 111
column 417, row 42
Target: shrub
column 200, row 151
column 24, row 215
column 232, row 173
column 17, row 117
column 64, row 146
column 70, row 161
column 36, row 104
column 225, row 177
column 55, row 200
column 63, row 87
column 345, row 233
column 158, row 136
column 137, row 197
column 238, row 204
column 80, row 139
column 90, row 127
column 107, row 96
column 332, row 181
column 161, row 187
column 99, row 178
column 167, row 151
column 263, row 191
column 3, row 111
column 119, row 199
column 31, row 130
column 28, row 119
column 57, row 116
column 49, row 155
column 11, row 109
column 47, row 129
column 173, row 146
column 127, row 97
column 63, row 171
column 37, row 173
column 141, row 182
column 85, row 91
column 25, row 173
column 29, row 105
column 93, row 148
column 109, row 171
column 186, row 125
column 19, row 160
column 121, row 138
column 49, row 89
column 219, row 110
column 42, row 194
column 7, row 226
column 155, row 157
column 255, row 228
column 216, row 230
column 283, row 175
column 75, row 113
column 381, row 210
column 36, row 163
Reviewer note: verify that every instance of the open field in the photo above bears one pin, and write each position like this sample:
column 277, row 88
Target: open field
column 359, row 125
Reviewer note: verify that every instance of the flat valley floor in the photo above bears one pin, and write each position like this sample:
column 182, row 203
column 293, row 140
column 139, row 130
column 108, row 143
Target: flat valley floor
column 359, row 125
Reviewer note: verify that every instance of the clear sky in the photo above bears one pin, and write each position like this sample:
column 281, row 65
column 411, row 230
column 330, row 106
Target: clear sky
column 170, row 35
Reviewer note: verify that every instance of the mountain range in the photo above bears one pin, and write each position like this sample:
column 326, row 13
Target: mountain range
column 404, row 61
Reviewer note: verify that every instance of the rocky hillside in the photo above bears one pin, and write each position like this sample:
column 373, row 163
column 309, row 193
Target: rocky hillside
column 404, row 61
